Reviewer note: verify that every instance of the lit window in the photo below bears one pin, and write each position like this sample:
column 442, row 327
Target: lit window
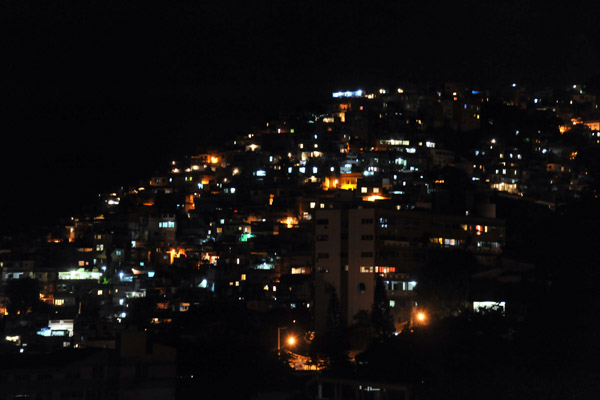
column 59, row 302
column 363, row 189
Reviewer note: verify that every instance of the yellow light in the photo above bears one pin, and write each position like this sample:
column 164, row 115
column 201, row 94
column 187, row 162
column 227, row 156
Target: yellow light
column 214, row 159
column 176, row 253
column 290, row 222
column 291, row 340
column 374, row 198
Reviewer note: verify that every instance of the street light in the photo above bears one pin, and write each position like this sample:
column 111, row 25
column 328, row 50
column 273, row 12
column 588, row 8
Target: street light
column 419, row 317
column 290, row 340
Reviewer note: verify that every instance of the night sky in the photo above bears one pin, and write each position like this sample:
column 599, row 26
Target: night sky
column 94, row 93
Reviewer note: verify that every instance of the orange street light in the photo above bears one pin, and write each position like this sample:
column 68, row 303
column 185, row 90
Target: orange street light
column 291, row 340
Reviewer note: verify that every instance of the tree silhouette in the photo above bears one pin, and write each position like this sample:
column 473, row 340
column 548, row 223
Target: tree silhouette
column 444, row 282
column 381, row 317
column 23, row 295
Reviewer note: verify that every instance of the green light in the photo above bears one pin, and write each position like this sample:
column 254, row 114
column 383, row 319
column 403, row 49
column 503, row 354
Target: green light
column 245, row 236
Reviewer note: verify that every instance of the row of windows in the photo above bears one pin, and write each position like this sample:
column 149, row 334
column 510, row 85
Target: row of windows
column 379, row 270
column 364, row 254
column 324, row 238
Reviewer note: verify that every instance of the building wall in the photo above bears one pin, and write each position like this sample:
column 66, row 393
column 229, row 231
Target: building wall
column 361, row 253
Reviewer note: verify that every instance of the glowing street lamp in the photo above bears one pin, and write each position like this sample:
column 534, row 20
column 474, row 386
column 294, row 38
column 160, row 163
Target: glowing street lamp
column 419, row 317
column 290, row 340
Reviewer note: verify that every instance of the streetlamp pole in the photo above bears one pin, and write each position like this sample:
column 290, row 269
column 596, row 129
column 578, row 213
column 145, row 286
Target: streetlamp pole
column 279, row 328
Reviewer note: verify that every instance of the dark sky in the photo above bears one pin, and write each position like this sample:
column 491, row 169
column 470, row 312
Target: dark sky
column 86, row 86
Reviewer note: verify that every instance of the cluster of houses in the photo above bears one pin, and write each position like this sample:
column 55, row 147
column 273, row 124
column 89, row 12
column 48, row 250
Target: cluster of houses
column 279, row 216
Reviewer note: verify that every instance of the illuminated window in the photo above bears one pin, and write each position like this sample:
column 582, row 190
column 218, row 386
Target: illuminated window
column 366, row 270
column 313, row 204
column 450, row 242
column 59, row 302
column 363, row 189
column 436, row 240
